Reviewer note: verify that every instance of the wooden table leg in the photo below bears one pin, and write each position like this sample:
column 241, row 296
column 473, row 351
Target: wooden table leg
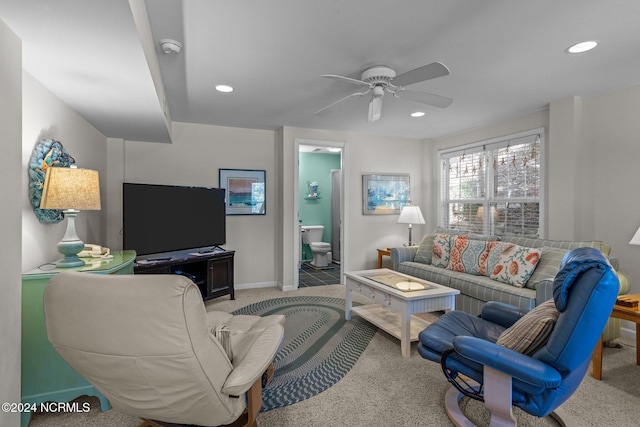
column 596, row 361
column 637, row 343
column 381, row 253
column 254, row 402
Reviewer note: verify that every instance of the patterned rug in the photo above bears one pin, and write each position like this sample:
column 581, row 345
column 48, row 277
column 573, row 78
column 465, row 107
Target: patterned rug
column 318, row 349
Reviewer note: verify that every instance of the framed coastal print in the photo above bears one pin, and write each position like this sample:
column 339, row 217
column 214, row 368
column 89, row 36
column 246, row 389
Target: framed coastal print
column 245, row 191
column 384, row 194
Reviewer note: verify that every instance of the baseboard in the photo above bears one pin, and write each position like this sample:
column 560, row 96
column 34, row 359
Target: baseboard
column 266, row 285
column 629, row 333
column 256, row 285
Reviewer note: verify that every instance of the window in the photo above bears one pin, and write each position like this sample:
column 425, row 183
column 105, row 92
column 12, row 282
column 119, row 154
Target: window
column 494, row 187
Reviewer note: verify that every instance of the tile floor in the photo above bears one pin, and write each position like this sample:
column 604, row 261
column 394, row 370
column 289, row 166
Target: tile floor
column 310, row 276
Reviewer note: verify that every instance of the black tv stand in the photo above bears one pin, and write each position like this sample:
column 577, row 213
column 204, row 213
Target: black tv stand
column 209, row 268
column 211, row 249
column 168, row 258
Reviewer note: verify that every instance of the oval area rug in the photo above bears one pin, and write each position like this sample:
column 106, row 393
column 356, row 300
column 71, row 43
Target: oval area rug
column 318, row 349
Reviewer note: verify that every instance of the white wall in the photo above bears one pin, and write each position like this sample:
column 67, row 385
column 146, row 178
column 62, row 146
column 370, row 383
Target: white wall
column 46, row 117
column 365, row 233
column 535, row 120
column 265, row 245
column 564, row 157
column 592, row 175
column 194, row 157
column 10, row 194
column 371, row 154
column 611, row 137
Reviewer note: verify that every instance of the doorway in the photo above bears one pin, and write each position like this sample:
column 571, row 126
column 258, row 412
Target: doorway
column 319, row 201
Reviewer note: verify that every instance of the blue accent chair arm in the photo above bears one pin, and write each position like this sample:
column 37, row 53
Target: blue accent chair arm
column 501, row 313
column 584, row 291
column 517, row 365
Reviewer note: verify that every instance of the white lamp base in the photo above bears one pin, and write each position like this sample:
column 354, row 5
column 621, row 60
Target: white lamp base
column 70, row 245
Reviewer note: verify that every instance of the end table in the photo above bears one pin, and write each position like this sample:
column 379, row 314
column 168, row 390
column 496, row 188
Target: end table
column 46, row 377
column 381, row 253
column 624, row 313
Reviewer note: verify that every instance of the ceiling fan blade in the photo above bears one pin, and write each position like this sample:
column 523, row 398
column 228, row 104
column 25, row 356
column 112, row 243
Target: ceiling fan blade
column 375, row 108
column 346, row 79
column 420, row 74
column 425, row 98
column 328, row 107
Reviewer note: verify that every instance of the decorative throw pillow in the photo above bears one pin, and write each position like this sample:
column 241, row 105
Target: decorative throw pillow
column 470, row 256
column 531, row 331
column 425, row 249
column 512, row 264
column 548, row 266
column 441, row 250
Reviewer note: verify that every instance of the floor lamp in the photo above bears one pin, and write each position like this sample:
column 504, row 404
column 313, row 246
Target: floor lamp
column 72, row 190
column 410, row 214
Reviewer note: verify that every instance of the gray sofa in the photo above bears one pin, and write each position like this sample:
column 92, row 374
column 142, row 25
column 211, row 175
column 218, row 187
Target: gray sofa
column 476, row 290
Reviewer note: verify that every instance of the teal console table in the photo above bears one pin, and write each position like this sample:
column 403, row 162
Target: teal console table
column 46, row 377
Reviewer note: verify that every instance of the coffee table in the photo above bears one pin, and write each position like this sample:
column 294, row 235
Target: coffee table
column 398, row 297
column 624, row 313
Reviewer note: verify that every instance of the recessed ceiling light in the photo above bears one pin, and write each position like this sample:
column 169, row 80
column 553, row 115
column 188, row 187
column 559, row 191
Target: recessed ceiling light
column 417, row 114
column 334, row 149
column 224, row 88
column 582, row 47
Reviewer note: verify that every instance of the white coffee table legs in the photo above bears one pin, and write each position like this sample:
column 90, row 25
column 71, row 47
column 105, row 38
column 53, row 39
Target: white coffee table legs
column 348, row 304
column 393, row 309
column 405, row 333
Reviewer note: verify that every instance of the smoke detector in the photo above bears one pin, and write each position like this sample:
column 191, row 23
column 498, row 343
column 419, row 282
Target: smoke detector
column 170, row 46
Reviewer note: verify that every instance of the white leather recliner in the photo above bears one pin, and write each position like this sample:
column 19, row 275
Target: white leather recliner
column 147, row 344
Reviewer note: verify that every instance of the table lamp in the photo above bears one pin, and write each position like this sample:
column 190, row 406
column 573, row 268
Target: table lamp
column 72, row 190
column 635, row 240
column 410, row 215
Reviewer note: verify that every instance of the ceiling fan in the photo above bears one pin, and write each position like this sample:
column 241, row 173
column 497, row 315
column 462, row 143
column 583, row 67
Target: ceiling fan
column 380, row 79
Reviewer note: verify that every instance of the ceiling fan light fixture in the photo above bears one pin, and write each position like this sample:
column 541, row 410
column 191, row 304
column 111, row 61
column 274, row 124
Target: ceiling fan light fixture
column 582, row 46
column 375, row 109
column 224, row 88
column 380, row 79
column 418, row 114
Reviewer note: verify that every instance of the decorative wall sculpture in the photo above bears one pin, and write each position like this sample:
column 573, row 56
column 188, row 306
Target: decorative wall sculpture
column 48, row 153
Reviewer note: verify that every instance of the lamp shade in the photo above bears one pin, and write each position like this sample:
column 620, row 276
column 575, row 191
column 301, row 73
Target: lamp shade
column 411, row 215
column 71, row 188
column 635, row 240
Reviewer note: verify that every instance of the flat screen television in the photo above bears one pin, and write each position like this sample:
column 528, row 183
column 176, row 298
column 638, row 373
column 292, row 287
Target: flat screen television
column 165, row 218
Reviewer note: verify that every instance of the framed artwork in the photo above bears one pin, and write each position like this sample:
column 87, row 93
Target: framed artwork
column 384, row 194
column 245, row 191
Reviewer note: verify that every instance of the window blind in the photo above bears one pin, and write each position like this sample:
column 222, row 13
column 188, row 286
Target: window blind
column 494, row 187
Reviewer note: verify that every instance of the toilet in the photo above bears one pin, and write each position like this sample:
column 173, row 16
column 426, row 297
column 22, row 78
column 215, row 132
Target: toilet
column 312, row 236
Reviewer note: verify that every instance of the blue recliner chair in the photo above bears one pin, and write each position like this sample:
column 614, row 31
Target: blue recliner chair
column 584, row 292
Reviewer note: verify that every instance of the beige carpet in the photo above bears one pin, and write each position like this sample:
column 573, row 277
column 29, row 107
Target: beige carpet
column 385, row 389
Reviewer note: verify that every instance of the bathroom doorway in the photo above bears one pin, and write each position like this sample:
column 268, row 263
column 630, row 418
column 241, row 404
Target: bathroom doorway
column 336, row 212
column 319, row 201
